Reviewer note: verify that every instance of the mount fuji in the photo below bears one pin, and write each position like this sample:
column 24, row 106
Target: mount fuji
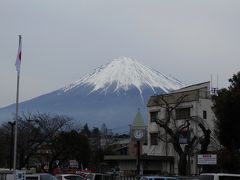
column 111, row 94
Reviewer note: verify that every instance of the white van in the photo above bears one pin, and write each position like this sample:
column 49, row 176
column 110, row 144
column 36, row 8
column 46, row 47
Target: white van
column 40, row 176
column 219, row 176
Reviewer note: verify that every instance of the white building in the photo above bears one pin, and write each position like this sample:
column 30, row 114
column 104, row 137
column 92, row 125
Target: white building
column 191, row 104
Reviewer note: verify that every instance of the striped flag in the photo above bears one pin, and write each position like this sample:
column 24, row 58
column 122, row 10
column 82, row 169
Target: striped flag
column 19, row 55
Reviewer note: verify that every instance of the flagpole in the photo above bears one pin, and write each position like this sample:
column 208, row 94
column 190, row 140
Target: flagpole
column 16, row 118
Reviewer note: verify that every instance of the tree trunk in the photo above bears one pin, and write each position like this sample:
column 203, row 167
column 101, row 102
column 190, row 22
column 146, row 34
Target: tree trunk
column 21, row 160
column 182, row 165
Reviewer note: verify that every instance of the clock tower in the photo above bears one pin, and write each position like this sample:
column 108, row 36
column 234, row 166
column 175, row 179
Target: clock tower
column 138, row 129
column 138, row 132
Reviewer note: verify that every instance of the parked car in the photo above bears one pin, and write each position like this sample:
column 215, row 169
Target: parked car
column 40, row 176
column 82, row 174
column 98, row 176
column 219, row 176
column 69, row 177
column 158, row 178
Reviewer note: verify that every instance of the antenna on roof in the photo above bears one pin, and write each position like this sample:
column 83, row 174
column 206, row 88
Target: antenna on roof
column 211, row 83
column 213, row 90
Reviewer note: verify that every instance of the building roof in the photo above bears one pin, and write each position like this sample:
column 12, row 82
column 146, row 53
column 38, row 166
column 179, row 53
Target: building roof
column 138, row 122
column 194, row 87
column 187, row 94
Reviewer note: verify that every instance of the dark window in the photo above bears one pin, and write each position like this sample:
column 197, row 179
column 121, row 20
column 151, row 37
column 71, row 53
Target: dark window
column 154, row 138
column 206, row 177
column 73, row 177
column 183, row 137
column 183, row 113
column 32, row 178
column 98, row 177
column 229, row 177
column 153, row 116
column 204, row 114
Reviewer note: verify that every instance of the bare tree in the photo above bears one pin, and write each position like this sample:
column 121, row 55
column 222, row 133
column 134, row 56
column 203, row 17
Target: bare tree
column 6, row 144
column 175, row 129
column 108, row 137
column 36, row 133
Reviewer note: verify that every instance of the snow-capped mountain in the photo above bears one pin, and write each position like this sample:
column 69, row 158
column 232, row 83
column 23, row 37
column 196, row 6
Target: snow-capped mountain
column 125, row 73
column 111, row 94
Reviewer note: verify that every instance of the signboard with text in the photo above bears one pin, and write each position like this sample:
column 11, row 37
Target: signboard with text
column 73, row 164
column 207, row 159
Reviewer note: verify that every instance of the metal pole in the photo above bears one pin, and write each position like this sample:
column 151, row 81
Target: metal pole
column 16, row 125
column 16, row 121
column 138, row 158
column 189, row 166
column 188, row 155
column 11, row 144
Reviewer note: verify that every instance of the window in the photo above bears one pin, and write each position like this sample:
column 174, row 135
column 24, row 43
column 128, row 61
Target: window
column 154, row 138
column 183, row 137
column 32, row 178
column 219, row 177
column 98, row 177
column 153, row 116
column 229, row 177
column 183, row 113
column 206, row 177
column 204, row 114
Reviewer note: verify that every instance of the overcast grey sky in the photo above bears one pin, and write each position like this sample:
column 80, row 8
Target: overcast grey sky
column 66, row 39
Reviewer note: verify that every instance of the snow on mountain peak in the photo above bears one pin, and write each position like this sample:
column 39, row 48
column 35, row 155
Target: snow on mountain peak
column 124, row 73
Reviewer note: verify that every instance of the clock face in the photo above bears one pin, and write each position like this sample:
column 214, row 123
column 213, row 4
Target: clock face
column 138, row 134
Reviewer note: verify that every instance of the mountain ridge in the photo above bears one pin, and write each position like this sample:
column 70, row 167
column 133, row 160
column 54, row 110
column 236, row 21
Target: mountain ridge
column 112, row 97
